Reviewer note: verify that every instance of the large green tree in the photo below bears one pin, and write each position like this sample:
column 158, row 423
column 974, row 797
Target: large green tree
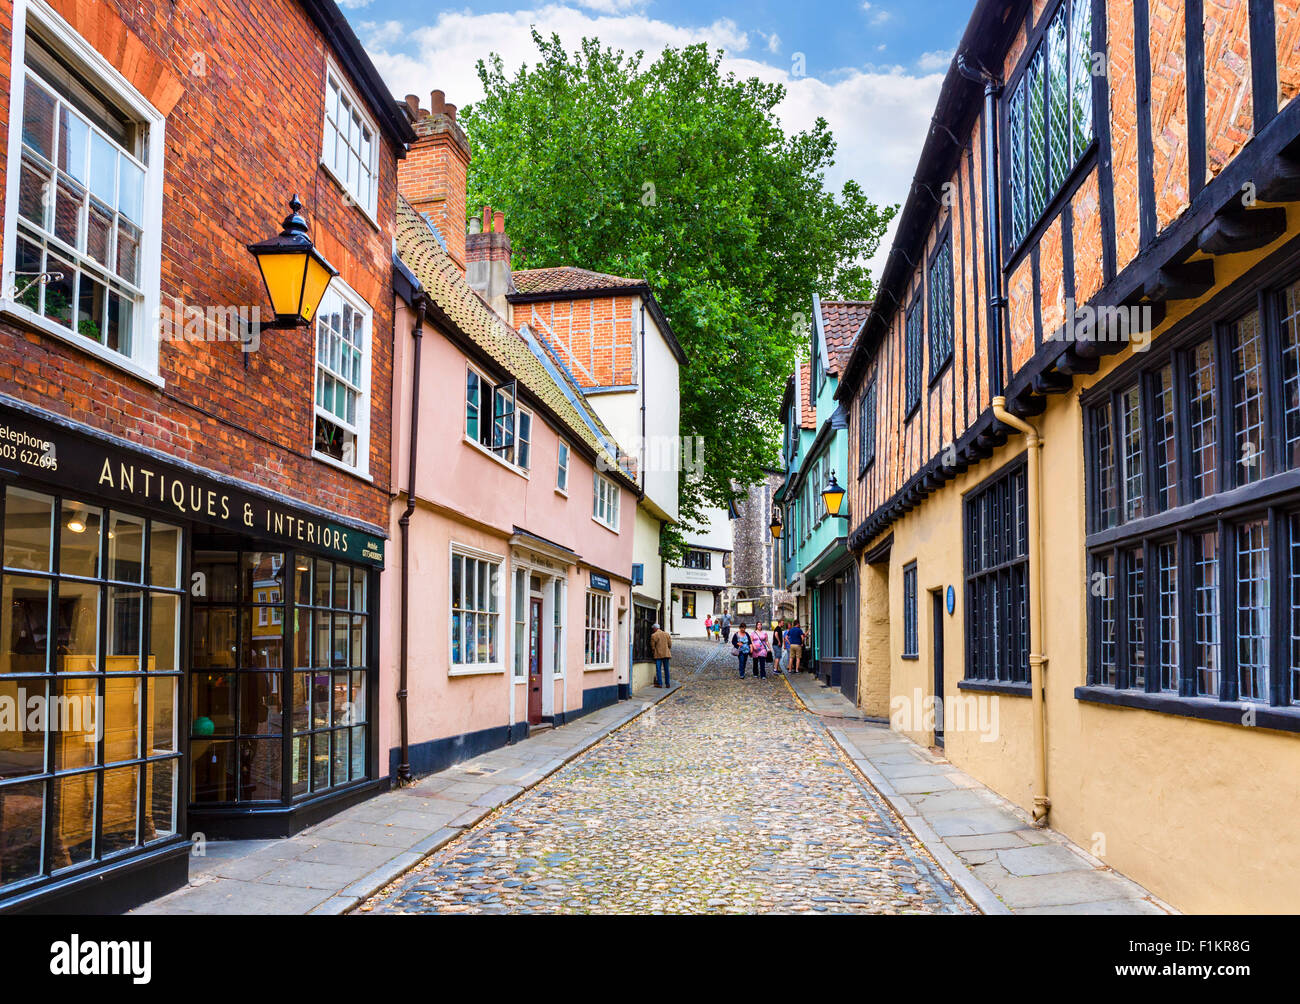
column 680, row 174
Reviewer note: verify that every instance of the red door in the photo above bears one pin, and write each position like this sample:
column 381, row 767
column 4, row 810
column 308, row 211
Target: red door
column 535, row 662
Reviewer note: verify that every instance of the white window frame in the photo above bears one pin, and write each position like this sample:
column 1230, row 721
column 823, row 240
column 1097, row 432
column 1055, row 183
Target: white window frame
column 607, row 504
column 143, row 360
column 497, row 560
column 560, row 626
column 366, row 202
column 563, row 454
column 362, row 428
column 597, row 602
column 487, row 407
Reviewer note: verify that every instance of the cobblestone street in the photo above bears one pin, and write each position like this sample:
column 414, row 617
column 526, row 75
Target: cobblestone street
column 724, row 798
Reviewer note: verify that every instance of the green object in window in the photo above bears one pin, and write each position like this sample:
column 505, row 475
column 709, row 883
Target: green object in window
column 203, row 726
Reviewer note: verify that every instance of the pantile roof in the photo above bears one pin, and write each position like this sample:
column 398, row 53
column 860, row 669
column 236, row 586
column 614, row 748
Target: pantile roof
column 570, row 279
column 419, row 249
column 841, row 320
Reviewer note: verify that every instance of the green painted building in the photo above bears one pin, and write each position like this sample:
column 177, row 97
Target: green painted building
column 820, row 570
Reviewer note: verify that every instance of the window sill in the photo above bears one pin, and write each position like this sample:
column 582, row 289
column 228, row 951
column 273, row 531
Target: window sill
column 561, row 492
column 325, row 458
column 484, row 670
column 910, row 658
column 1205, row 708
column 513, row 468
column 601, row 523
column 598, row 669
column 996, row 687
column 31, row 319
column 350, row 198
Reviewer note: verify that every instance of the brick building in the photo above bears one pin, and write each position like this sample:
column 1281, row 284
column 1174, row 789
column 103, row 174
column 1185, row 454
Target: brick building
column 195, row 505
column 1073, row 483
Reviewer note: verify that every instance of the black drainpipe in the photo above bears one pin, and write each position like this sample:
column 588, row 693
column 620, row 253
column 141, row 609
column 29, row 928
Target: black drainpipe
column 404, row 522
column 992, row 227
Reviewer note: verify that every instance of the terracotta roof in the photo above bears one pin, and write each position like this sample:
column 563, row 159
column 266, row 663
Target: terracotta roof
column 568, row 279
column 807, row 412
column 841, row 320
column 419, row 250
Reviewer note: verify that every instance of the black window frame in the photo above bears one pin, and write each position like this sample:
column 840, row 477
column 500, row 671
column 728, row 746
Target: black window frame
column 867, row 427
column 698, row 559
column 1217, row 517
column 995, row 570
column 1077, row 163
column 911, row 632
column 688, row 615
column 941, row 338
column 913, row 352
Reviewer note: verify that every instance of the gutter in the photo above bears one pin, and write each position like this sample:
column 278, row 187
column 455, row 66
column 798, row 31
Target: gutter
column 1037, row 660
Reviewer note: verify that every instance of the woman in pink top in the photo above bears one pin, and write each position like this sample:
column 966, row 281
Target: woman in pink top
column 758, row 650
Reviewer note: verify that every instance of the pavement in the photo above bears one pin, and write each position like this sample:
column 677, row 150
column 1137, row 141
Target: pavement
column 725, row 798
column 989, row 845
column 331, row 867
column 718, row 795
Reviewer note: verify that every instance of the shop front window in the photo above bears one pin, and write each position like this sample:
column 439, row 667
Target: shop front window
column 90, row 604
column 277, row 704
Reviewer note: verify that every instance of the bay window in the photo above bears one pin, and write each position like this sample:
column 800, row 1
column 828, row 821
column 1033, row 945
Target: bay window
column 1193, row 509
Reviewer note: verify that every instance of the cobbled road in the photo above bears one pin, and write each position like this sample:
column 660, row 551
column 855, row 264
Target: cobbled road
column 725, row 798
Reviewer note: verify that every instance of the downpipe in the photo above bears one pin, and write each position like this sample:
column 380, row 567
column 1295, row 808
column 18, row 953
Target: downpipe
column 1037, row 659
column 404, row 524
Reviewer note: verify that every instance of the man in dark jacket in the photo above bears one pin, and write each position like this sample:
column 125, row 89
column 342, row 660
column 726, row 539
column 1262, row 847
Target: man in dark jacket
column 661, row 647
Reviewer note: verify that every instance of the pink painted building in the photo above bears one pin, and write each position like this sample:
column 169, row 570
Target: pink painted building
column 508, row 586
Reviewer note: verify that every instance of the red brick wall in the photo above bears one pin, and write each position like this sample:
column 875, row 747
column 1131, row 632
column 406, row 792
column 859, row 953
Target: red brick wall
column 596, row 336
column 243, row 90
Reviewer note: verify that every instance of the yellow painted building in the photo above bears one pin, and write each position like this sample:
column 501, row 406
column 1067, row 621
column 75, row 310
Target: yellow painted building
column 1111, row 618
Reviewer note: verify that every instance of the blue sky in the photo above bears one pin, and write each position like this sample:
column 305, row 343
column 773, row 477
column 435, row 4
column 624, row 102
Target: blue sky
column 871, row 68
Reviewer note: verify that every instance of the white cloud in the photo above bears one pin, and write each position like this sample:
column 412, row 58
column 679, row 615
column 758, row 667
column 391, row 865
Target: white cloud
column 878, row 114
column 773, row 42
column 354, row 4
column 935, row 62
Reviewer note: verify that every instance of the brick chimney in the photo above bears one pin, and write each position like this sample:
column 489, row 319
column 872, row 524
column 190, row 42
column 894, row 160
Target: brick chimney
column 487, row 252
column 432, row 177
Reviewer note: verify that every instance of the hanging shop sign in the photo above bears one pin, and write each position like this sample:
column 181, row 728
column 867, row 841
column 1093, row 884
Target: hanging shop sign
column 599, row 581
column 104, row 471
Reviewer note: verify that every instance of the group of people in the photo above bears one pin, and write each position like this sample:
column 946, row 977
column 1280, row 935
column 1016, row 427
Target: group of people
column 760, row 646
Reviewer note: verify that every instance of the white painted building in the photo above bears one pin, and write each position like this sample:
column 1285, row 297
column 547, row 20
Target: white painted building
column 698, row 586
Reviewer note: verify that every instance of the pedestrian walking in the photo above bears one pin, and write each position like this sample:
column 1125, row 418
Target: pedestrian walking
column 778, row 642
column 661, row 647
column 758, row 650
column 794, row 640
column 725, row 635
column 708, row 627
column 740, row 646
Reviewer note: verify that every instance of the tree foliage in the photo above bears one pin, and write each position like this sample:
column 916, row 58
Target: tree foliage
column 682, row 175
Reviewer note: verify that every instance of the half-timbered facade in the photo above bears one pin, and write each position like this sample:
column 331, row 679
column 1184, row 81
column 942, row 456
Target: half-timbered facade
column 1075, row 407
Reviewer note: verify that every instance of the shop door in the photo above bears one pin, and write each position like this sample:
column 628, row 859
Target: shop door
column 535, row 662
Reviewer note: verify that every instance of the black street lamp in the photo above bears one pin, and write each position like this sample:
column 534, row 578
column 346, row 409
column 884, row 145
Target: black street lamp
column 295, row 273
column 833, row 496
column 775, row 525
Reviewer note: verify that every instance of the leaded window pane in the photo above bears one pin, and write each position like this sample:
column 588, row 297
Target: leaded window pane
column 1205, row 613
column 1081, row 74
column 1203, row 418
column 1252, row 611
column 941, row 321
column 1035, row 81
column 1131, row 439
column 1164, row 445
column 1058, row 72
column 914, row 351
column 1167, row 592
column 1248, row 398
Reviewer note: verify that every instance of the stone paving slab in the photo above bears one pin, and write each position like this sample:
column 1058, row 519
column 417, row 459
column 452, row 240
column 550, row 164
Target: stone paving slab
column 989, row 846
column 331, row 867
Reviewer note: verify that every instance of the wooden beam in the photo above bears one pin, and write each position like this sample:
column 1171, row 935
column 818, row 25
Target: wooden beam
column 1279, row 180
column 1188, row 281
column 1242, row 230
column 1075, row 362
column 1051, row 382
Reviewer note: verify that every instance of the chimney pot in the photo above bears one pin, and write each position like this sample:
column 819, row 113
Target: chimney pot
column 451, row 112
column 499, row 222
column 437, row 99
column 413, row 103
column 487, row 219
